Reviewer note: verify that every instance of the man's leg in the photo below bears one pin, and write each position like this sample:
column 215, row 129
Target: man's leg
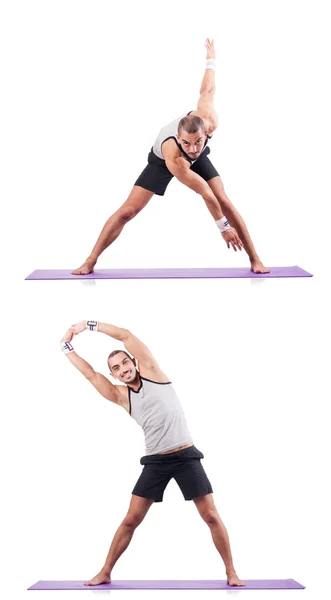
column 237, row 222
column 208, row 511
column 136, row 201
column 136, row 513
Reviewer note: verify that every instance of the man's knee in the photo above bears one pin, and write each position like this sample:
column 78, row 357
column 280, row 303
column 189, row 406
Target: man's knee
column 126, row 213
column 210, row 517
column 132, row 520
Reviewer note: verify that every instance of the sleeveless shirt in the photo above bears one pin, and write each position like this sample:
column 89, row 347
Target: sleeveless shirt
column 156, row 408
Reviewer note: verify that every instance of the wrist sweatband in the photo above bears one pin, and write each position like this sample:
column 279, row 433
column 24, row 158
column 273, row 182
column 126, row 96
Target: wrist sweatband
column 67, row 347
column 223, row 224
column 92, row 325
column 211, row 63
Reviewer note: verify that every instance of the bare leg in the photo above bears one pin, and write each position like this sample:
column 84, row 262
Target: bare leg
column 237, row 222
column 136, row 513
column 208, row 511
column 136, row 201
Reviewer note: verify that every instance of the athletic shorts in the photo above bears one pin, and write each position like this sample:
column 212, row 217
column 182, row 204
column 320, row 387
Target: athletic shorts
column 184, row 466
column 156, row 176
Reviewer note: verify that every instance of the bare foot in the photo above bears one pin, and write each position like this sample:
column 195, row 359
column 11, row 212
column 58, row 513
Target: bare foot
column 257, row 267
column 87, row 267
column 234, row 580
column 102, row 577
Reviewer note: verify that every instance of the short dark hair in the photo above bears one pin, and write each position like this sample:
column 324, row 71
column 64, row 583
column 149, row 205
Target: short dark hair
column 191, row 124
column 114, row 352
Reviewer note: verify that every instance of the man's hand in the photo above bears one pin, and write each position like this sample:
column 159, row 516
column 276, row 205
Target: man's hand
column 232, row 239
column 209, row 45
column 74, row 330
column 68, row 335
column 78, row 327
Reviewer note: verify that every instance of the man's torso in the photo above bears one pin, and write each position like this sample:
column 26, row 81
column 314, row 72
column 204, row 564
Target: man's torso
column 125, row 403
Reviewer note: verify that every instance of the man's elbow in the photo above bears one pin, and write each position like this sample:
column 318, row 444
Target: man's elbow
column 90, row 374
column 172, row 167
column 125, row 335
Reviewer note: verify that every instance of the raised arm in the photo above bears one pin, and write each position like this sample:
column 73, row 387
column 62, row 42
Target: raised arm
column 101, row 383
column 207, row 89
column 147, row 362
column 132, row 344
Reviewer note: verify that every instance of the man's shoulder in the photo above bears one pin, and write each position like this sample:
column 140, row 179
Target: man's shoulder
column 210, row 120
column 170, row 149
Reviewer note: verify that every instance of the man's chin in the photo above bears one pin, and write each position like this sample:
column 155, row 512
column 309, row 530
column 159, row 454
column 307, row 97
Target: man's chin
column 131, row 379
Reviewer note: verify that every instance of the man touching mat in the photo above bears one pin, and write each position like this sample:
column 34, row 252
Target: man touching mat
column 181, row 150
column 149, row 398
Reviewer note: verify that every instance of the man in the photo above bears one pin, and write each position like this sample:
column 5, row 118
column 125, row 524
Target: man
column 180, row 151
column 148, row 396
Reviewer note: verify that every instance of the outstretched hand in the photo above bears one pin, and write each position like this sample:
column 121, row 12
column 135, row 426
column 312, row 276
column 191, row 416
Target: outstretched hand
column 232, row 239
column 209, row 45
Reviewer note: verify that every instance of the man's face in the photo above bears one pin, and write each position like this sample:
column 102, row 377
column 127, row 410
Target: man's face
column 192, row 143
column 122, row 368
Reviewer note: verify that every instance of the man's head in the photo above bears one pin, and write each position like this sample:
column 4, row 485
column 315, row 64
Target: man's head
column 122, row 366
column 192, row 135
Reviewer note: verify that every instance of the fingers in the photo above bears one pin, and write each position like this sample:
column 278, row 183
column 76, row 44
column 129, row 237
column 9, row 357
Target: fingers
column 209, row 44
column 67, row 336
column 232, row 239
column 237, row 242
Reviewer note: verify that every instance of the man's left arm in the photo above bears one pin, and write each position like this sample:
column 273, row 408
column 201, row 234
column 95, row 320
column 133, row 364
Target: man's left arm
column 207, row 89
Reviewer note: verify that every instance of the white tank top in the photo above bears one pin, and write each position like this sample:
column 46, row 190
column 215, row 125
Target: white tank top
column 156, row 408
column 168, row 132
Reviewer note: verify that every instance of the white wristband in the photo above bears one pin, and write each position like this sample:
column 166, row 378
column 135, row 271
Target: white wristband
column 67, row 347
column 223, row 224
column 211, row 63
column 92, row 325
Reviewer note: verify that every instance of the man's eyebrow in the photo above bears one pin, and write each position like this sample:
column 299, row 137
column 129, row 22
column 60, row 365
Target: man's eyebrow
column 198, row 140
column 122, row 361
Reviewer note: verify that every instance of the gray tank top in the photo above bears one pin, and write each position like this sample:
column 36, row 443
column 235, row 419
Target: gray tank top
column 156, row 408
column 168, row 132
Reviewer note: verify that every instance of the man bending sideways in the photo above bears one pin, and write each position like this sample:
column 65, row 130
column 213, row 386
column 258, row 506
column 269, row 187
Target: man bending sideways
column 148, row 396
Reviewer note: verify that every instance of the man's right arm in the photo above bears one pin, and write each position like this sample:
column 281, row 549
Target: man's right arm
column 99, row 381
column 180, row 168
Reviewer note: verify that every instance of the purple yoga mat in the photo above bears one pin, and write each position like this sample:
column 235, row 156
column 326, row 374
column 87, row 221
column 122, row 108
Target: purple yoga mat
column 182, row 273
column 169, row 584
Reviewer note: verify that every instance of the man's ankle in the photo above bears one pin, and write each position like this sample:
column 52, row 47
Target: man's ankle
column 92, row 258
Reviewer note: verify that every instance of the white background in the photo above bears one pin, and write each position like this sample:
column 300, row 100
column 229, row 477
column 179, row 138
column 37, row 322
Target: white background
column 86, row 88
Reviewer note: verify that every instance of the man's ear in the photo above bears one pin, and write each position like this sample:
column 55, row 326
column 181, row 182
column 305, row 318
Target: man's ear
column 134, row 361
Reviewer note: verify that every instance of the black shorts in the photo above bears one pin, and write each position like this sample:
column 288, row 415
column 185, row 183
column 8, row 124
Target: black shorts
column 184, row 466
column 156, row 176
